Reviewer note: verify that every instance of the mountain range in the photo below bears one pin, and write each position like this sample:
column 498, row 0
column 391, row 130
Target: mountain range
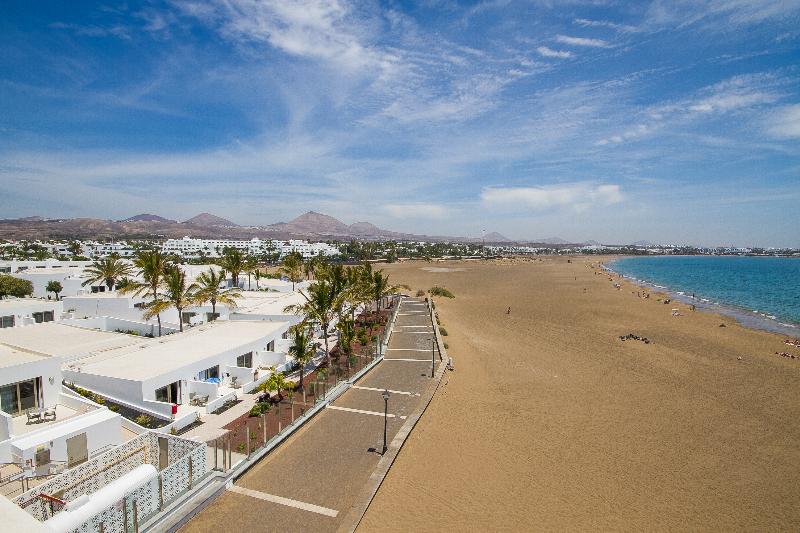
column 310, row 225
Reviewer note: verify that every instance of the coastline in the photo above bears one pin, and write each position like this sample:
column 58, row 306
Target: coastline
column 748, row 318
column 551, row 421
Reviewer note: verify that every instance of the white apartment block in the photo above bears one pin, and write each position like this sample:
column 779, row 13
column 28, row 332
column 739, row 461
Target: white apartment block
column 190, row 247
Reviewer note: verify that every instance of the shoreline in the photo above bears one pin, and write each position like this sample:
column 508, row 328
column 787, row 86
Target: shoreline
column 745, row 317
column 556, row 419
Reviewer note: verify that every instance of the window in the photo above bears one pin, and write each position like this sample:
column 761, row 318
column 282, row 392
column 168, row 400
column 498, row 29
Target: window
column 271, row 346
column 245, row 360
column 208, row 373
column 44, row 316
column 169, row 393
column 18, row 397
column 7, row 321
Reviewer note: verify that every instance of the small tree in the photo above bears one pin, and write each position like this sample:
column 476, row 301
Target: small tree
column 302, row 349
column 11, row 286
column 54, row 287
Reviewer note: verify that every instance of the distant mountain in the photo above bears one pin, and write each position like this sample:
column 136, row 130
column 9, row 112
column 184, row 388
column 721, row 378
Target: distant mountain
column 365, row 228
column 642, row 243
column 310, row 225
column 147, row 217
column 591, row 243
column 207, row 219
column 495, row 237
column 314, row 223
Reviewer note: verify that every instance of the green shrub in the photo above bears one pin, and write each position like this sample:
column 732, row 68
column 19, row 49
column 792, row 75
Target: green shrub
column 443, row 332
column 143, row 420
column 114, row 408
column 440, row 291
column 259, row 409
column 173, row 431
column 420, row 293
column 446, row 346
column 241, row 448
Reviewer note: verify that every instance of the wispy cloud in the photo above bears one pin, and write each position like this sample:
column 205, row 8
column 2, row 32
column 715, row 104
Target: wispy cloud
column 577, row 196
column 420, row 210
column 784, row 122
column 588, row 23
column 582, row 41
column 549, row 52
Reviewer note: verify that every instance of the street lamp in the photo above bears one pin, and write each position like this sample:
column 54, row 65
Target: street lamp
column 385, row 395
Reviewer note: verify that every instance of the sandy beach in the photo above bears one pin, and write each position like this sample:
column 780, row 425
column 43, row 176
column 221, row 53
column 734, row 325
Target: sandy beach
column 551, row 422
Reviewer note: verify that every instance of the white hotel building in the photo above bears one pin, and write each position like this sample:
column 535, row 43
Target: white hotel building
column 189, row 247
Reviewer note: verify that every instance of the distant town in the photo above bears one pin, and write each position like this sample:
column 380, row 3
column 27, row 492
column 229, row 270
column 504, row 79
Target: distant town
column 190, row 250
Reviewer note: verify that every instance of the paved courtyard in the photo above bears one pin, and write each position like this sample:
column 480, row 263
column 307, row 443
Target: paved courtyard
column 310, row 482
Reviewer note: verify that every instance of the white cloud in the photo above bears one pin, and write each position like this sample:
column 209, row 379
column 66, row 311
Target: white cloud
column 582, row 41
column 425, row 211
column 578, row 196
column 587, row 23
column 784, row 122
column 549, row 52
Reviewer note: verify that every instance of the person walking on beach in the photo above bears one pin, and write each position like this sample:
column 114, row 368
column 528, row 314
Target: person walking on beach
column 508, row 311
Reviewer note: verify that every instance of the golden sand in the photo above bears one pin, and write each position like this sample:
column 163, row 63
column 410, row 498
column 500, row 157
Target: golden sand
column 551, row 422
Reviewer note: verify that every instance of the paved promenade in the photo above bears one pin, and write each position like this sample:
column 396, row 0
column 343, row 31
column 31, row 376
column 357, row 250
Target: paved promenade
column 313, row 479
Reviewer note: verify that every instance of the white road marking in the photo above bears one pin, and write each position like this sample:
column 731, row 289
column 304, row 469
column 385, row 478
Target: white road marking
column 284, row 501
column 360, row 411
column 416, row 360
column 381, row 390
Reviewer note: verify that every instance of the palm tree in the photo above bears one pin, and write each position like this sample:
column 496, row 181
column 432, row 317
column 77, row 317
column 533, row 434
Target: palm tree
column 302, row 349
column 380, row 286
column 208, row 290
column 107, row 270
column 347, row 333
column 234, row 262
column 292, row 267
column 176, row 292
column 275, row 383
column 250, row 266
column 151, row 265
column 54, row 287
column 320, row 305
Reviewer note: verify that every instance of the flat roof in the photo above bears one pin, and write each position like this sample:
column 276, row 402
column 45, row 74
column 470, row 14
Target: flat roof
column 161, row 355
column 12, row 357
column 60, row 340
column 17, row 302
column 267, row 303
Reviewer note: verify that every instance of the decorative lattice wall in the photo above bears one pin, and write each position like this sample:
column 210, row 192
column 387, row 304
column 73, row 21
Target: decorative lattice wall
column 98, row 472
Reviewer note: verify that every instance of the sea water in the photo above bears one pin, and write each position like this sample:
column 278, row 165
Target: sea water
column 761, row 292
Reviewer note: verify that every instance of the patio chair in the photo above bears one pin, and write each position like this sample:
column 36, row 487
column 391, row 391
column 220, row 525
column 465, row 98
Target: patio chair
column 33, row 415
column 202, row 401
column 49, row 414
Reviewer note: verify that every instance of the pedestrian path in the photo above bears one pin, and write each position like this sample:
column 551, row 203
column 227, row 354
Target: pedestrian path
column 313, row 479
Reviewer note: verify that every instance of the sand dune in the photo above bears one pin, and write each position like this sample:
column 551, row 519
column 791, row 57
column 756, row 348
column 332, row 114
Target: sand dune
column 550, row 422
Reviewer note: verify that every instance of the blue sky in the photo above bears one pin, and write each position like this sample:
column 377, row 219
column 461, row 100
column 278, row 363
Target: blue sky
column 614, row 121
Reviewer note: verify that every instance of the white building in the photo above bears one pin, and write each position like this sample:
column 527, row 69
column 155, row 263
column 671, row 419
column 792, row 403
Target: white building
column 196, row 370
column 190, row 247
column 42, row 427
column 16, row 312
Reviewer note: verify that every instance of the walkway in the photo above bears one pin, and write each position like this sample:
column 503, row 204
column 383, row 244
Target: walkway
column 313, row 479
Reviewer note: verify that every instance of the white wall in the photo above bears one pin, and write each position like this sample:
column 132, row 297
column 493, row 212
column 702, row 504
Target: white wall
column 70, row 279
column 23, row 309
column 46, row 367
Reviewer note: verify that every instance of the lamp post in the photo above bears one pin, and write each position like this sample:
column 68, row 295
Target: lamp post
column 385, row 395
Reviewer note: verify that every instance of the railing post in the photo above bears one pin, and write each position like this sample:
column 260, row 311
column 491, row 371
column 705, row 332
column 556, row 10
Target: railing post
column 247, row 438
column 264, row 423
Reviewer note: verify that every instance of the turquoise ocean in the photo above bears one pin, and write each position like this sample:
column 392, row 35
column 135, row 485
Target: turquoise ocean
column 761, row 292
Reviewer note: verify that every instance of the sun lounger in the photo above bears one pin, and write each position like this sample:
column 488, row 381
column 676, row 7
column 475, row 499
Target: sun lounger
column 33, row 415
